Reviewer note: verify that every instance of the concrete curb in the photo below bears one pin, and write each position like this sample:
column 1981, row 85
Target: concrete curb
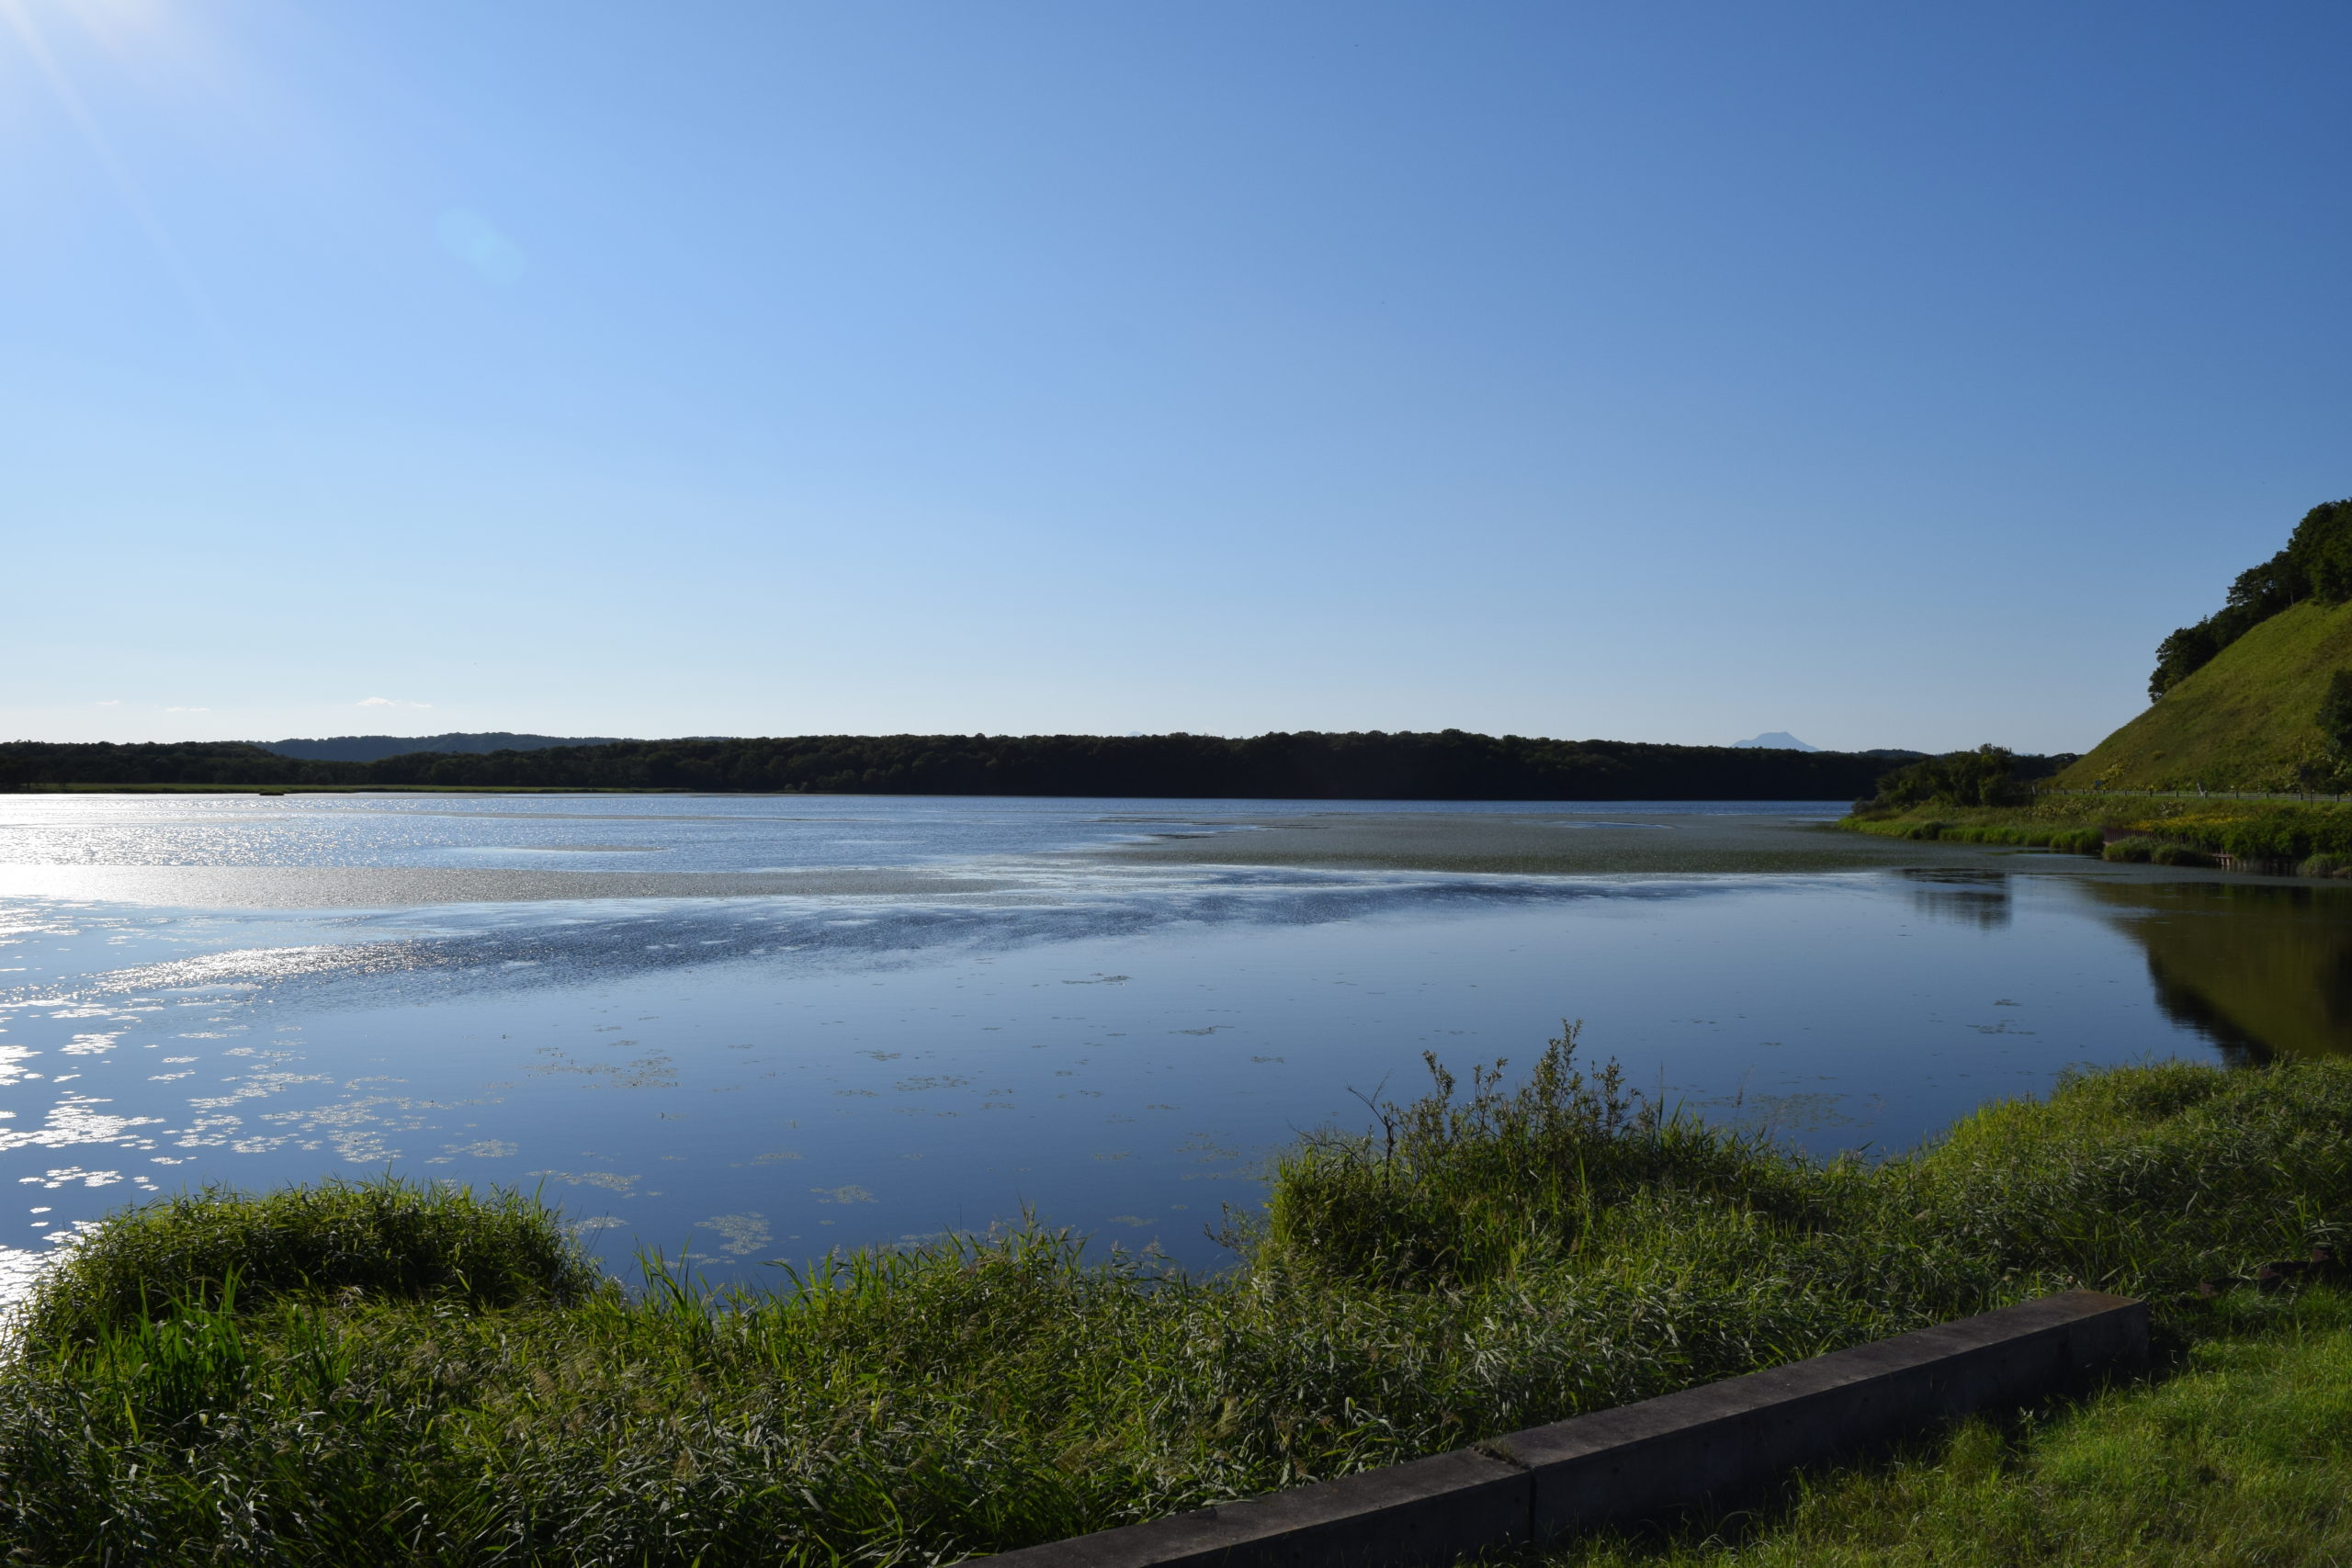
column 1661, row 1454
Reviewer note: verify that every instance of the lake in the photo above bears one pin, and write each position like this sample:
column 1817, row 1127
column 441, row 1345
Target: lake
column 754, row 1029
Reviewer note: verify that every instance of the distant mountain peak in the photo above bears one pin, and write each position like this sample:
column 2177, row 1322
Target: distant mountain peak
column 1778, row 740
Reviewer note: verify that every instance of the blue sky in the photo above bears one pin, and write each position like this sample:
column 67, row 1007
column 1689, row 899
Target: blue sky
column 1891, row 374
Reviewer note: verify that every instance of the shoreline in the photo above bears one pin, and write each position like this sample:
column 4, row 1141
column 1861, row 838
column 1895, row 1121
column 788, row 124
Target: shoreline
column 1570, row 843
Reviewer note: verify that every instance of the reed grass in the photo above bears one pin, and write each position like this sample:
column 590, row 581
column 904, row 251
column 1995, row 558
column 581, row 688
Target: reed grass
column 1489, row 1257
column 218, row 1249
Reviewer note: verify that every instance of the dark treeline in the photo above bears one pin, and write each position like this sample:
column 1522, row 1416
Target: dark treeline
column 1448, row 765
column 374, row 747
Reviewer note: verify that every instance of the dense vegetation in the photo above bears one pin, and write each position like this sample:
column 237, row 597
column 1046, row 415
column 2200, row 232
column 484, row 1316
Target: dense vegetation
column 1990, row 775
column 214, row 1250
column 1446, row 765
column 2316, row 564
column 1484, row 1261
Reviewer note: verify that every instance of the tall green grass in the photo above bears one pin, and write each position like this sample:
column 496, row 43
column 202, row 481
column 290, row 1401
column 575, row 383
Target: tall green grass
column 2066, row 840
column 218, row 1249
column 1488, row 1257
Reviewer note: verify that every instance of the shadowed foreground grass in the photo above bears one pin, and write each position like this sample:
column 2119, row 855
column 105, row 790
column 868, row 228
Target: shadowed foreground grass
column 386, row 1373
column 2243, row 1457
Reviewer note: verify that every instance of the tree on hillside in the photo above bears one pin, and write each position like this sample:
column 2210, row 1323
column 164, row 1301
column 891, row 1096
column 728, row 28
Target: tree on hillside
column 2321, row 549
column 2181, row 655
column 2335, row 715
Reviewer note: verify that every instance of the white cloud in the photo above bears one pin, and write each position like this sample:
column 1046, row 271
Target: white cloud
column 389, row 702
column 111, row 702
column 187, row 710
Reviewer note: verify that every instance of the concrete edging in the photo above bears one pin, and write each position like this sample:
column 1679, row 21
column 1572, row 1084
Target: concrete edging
column 1670, row 1452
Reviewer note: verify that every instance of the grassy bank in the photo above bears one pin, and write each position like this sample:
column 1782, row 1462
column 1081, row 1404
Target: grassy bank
column 388, row 1373
column 2243, row 1455
column 2246, row 721
column 2266, row 835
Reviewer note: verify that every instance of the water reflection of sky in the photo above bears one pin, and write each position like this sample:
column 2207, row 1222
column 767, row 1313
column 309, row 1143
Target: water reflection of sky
column 1117, row 1047
column 698, row 833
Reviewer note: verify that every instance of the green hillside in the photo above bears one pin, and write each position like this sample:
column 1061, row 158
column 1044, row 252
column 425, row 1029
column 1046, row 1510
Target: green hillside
column 2246, row 719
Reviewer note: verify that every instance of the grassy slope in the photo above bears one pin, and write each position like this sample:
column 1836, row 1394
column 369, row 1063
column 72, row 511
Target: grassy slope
column 2245, row 1457
column 2240, row 723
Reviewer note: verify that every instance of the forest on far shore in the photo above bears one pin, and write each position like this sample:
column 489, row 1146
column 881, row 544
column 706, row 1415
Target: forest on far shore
column 1445, row 765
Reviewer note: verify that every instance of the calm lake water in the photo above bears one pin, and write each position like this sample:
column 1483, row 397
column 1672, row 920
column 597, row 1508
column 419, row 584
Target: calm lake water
column 756, row 1028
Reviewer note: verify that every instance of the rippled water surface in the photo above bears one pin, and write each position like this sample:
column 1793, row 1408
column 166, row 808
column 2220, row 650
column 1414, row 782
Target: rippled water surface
column 933, row 1014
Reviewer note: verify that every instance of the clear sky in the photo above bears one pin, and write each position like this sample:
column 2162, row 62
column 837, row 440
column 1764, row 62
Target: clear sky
column 1893, row 374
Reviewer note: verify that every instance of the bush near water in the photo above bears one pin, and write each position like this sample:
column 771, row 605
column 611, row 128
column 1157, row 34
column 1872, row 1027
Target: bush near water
column 351, row 1375
column 2311, row 839
column 1989, row 796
